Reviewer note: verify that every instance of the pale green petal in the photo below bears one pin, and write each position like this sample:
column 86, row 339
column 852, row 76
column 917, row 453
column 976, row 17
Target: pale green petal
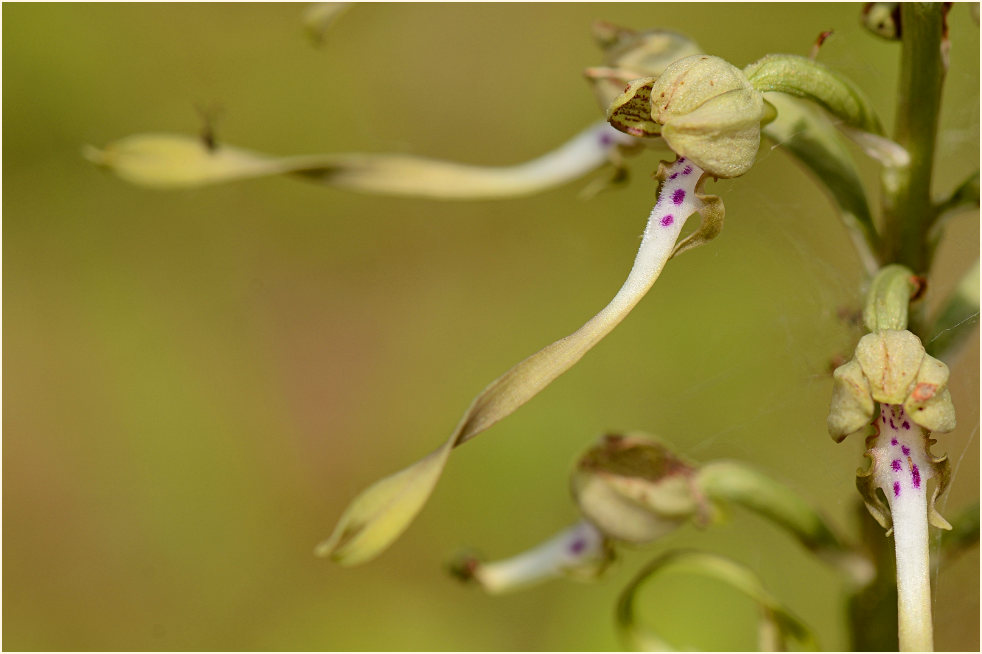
column 852, row 401
column 169, row 161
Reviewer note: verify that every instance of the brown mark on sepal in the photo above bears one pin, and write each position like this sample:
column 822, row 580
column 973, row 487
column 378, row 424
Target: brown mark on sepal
column 631, row 111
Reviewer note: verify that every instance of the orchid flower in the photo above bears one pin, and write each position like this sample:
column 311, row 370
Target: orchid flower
column 710, row 113
column 707, row 111
column 892, row 375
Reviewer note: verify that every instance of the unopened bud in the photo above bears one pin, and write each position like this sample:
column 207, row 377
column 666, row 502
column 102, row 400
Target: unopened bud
column 634, row 489
column 704, row 108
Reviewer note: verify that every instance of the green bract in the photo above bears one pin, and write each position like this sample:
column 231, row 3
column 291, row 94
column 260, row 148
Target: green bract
column 703, row 107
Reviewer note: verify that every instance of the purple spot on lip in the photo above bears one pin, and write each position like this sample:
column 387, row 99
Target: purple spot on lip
column 905, row 450
column 673, row 175
column 893, row 441
column 896, row 489
column 577, row 546
column 687, row 170
column 916, row 474
column 678, row 196
column 892, row 426
column 606, row 139
column 667, row 220
column 906, row 425
column 896, row 464
column 680, row 160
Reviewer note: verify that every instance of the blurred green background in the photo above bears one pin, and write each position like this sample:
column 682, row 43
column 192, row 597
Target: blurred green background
column 198, row 382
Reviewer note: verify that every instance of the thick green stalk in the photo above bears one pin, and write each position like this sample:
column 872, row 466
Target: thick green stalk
column 908, row 211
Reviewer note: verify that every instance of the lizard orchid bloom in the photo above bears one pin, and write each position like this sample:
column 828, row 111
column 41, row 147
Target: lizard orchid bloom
column 898, row 393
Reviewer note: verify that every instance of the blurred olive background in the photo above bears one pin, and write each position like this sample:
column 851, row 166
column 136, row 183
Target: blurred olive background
column 198, row 382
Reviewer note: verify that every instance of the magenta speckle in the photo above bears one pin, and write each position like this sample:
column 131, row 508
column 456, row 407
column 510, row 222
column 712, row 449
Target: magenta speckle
column 606, row 139
column 906, row 425
column 916, row 475
column 577, row 546
column 896, row 489
column 667, row 220
column 895, row 465
column 678, row 196
column 687, row 170
column 883, row 417
column 893, row 441
column 892, row 426
column 680, row 160
column 905, row 450
column 673, row 175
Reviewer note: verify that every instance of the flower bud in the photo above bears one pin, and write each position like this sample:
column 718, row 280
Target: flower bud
column 890, row 367
column 634, row 489
column 704, row 108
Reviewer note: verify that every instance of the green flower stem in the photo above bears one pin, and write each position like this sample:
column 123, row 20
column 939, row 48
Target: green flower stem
column 908, row 210
column 729, row 481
